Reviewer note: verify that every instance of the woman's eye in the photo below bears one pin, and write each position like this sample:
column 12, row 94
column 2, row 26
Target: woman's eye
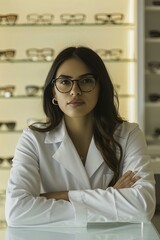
column 65, row 82
column 86, row 80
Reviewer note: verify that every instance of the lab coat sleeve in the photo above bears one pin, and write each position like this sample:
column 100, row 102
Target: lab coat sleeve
column 135, row 204
column 24, row 206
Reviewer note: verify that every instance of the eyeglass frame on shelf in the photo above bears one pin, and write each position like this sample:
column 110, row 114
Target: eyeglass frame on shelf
column 8, row 18
column 154, row 97
column 35, row 54
column 6, row 159
column 104, row 53
column 109, row 18
column 9, row 124
column 154, row 33
column 40, row 18
column 7, row 90
column 72, row 18
column 31, row 90
column 8, row 53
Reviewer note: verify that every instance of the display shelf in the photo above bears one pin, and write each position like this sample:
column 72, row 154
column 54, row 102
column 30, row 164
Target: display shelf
column 24, row 35
column 21, row 96
column 153, row 105
column 130, row 25
column 153, row 40
column 11, row 131
column 28, row 97
column 151, row 140
column 42, row 61
column 147, row 72
column 152, row 8
column 5, row 168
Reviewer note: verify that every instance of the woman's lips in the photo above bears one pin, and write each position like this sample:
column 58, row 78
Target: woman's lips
column 75, row 102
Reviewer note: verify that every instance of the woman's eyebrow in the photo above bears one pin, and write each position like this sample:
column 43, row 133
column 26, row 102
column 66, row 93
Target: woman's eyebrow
column 83, row 75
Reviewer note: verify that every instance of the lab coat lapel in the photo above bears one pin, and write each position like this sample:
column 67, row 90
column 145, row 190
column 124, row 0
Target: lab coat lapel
column 70, row 159
column 94, row 159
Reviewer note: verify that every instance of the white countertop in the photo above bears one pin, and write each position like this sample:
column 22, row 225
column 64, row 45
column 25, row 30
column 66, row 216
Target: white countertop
column 107, row 231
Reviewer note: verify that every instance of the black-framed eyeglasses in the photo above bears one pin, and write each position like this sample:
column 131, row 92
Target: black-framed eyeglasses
column 9, row 19
column 114, row 53
column 105, row 18
column 10, row 125
column 65, row 84
column 68, row 18
column 34, row 18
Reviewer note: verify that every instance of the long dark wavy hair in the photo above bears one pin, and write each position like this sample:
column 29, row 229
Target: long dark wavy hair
column 106, row 115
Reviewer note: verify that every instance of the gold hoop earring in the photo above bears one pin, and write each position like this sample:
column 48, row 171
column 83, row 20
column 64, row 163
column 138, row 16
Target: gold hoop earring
column 54, row 101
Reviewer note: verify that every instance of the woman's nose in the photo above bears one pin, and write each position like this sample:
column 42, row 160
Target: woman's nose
column 75, row 89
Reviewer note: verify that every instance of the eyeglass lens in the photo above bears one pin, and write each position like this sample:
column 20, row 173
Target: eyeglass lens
column 65, row 85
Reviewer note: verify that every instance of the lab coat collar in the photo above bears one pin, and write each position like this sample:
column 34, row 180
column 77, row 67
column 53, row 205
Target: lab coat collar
column 70, row 159
column 94, row 159
column 56, row 135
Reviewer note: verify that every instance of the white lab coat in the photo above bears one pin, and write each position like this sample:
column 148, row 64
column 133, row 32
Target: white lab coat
column 49, row 162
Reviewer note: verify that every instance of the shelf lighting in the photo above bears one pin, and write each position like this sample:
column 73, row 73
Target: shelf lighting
column 131, row 66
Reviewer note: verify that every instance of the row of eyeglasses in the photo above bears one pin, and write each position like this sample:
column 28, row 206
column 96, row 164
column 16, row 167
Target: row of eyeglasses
column 65, row 18
column 31, row 90
column 11, row 126
column 47, row 54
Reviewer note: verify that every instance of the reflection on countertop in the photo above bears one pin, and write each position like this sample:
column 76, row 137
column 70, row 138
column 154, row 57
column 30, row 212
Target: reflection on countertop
column 107, row 231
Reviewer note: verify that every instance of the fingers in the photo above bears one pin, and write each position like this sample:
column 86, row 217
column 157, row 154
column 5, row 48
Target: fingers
column 127, row 180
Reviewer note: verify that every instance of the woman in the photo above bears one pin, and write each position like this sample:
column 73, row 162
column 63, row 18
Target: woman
column 85, row 164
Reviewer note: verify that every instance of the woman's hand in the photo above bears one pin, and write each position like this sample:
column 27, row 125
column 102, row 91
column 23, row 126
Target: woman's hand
column 127, row 180
column 56, row 195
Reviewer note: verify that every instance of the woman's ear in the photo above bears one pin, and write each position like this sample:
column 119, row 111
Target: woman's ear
column 54, row 94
